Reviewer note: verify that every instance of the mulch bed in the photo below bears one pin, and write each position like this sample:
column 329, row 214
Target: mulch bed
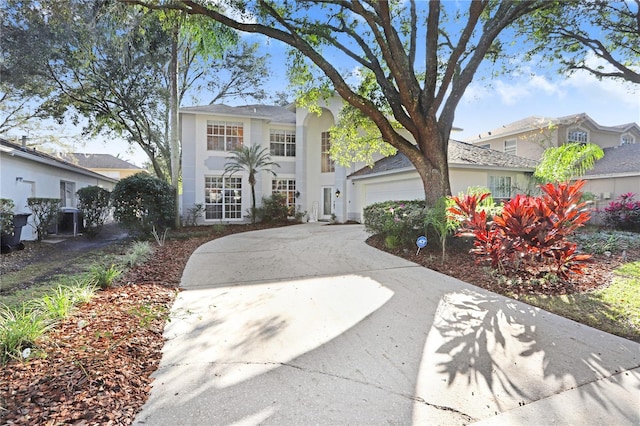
column 95, row 367
column 460, row 264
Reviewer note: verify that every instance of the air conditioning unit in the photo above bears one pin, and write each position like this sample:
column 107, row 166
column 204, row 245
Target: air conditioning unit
column 605, row 196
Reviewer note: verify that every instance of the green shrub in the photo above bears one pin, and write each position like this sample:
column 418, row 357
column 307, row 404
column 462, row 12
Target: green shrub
column 599, row 242
column 45, row 213
column 56, row 305
column 19, row 331
column 95, row 203
column 193, row 214
column 103, row 276
column 6, row 216
column 61, row 303
column 142, row 202
column 403, row 220
column 440, row 222
column 139, row 252
column 274, row 208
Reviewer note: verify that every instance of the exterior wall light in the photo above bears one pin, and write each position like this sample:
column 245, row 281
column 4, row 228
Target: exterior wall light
column 337, row 193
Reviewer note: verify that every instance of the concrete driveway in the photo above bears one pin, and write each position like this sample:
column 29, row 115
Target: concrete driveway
column 309, row 325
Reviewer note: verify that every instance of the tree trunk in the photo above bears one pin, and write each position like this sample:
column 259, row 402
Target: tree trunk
column 173, row 121
column 429, row 157
column 253, row 203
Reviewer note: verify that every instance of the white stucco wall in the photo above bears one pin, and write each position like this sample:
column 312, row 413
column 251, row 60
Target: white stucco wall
column 22, row 178
column 199, row 162
column 407, row 185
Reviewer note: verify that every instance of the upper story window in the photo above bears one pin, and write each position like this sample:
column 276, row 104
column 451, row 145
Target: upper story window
column 485, row 146
column 577, row 135
column 510, row 147
column 224, row 135
column 627, row 140
column 327, row 163
column 282, row 142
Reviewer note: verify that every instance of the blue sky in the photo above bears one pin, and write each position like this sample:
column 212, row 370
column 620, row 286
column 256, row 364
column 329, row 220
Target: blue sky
column 489, row 104
column 532, row 89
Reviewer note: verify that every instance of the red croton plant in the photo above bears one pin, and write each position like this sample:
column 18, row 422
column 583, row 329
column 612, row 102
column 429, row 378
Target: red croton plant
column 529, row 237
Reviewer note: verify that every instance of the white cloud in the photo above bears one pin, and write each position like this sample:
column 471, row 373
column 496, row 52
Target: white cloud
column 616, row 90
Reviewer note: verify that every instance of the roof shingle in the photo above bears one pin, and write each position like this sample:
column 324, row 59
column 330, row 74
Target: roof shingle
column 97, row 161
column 459, row 154
column 619, row 159
column 273, row 113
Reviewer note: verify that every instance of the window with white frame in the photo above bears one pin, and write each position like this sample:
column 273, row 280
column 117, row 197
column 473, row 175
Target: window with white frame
column 327, row 165
column 222, row 197
column 627, row 140
column 286, row 187
column 485, row 146
column 510, row 147
column 282, row 142
column 500, row 186
column 577, row 135
column 224, row 135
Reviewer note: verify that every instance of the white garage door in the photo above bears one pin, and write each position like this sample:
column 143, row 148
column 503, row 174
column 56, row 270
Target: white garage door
column 409, row 189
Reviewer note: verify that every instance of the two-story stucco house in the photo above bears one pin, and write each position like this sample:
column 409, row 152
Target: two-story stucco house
column 299, row 142
column 615, row 174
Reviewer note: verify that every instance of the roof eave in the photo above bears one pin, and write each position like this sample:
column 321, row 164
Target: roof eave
column 50, row 162
column 611, row 175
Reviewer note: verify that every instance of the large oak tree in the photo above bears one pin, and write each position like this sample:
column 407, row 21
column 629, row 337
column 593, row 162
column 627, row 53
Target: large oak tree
column 422, row 56
column 601, row 37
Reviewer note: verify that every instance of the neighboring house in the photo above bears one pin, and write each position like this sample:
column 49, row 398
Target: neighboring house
column 615, row 174
column 26, row 172
column 299, row 142
column 531, row 136
column 105, row 164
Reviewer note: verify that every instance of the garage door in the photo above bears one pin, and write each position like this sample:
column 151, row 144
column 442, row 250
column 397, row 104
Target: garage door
column 409, row 189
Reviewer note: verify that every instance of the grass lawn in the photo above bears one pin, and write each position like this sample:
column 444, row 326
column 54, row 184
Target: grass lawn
column 614, row 309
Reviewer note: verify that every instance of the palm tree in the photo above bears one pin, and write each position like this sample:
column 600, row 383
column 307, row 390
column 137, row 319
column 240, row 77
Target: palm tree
column 253, row 160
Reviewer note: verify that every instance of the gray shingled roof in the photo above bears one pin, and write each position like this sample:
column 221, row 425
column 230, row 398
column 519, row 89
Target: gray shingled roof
column 619, row 159
column 52, row 160
column 538, row 122
column 97, row 161
column 273, row 113
column 460, row 154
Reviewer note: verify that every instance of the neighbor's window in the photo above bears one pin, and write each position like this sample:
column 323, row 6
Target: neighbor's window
column 224, row 135
column 67, row 194
column 500, row 186
column 286, row 187
column 223, row 197
column 510, row 147
column 627, row 140
column 327, row 163
column 577, row 135
column 283, row 142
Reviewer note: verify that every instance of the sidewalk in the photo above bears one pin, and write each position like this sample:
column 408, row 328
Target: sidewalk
column 308, row 325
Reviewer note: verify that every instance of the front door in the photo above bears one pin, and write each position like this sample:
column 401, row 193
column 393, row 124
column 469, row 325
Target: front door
column 327, row 202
